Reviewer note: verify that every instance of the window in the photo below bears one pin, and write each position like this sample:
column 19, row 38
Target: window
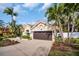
column 27, row 32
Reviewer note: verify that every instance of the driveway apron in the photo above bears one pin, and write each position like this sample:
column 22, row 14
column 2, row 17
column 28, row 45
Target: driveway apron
column 27, row 48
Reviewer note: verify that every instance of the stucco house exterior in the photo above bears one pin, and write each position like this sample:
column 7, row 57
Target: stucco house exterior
column 39, row 29
column 26, row 29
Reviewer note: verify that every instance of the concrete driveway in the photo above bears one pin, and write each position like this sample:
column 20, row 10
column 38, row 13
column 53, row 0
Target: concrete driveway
column 27, row 48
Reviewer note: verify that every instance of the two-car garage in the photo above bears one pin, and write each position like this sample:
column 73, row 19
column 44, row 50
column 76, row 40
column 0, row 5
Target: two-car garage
column 42, row 35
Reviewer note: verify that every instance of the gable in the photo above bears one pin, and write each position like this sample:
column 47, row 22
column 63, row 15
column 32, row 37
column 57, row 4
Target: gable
column 39, row 26
column 26, row 27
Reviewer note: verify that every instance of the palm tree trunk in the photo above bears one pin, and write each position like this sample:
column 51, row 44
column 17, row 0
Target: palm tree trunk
column 68, row 31
column 72, row 25
column 54, row 37
column 68, row 28
column 14, row 27
column 61, row 31
column 55, row 31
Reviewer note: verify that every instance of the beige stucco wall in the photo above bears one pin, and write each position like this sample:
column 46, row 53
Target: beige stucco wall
column 26, row 27
column 40, row 27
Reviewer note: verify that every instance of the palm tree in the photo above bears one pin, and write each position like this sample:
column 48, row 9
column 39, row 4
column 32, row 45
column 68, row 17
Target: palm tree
column 55, row 12
column 51, row 15
column 75, row 8
column 19, row 30
column 70, row 10
column 10, row 11
column 67, row 14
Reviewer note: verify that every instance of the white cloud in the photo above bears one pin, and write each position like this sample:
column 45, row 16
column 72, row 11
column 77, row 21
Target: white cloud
column 17, row 8
column 45, row 6
column 2, row 7
column 30, row 5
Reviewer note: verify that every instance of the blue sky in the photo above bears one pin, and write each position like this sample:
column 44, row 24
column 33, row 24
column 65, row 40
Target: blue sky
column 27, row 12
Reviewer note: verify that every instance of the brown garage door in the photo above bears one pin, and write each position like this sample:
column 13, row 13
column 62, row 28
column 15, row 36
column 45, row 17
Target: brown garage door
column 42, row 35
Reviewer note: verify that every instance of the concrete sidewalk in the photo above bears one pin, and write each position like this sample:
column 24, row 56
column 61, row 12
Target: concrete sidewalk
column 27, row 48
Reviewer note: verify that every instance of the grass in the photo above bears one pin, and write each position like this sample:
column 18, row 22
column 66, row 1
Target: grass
column 60, row 53
column 65, row 49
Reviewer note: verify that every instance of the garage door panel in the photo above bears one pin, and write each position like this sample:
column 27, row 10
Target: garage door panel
column 42, row 35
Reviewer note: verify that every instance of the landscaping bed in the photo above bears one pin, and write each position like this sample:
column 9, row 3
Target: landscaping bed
column 7, row 42
column 64, row 49
column 26, row 37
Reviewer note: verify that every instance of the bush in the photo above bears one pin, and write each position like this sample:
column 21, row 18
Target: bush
column 76, row 41
column 73, row 40
column 58, row 39
column 1, row 38
column 26, row 37
column 76, row 46
column 7, row 42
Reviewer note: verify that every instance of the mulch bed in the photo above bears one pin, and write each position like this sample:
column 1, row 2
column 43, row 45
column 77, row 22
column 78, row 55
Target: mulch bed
column 7, row 42
column 61, row 46
column 64, row 49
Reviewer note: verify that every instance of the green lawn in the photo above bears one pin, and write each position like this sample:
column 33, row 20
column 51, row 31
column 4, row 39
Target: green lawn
column 64, row 53
column 64, row 49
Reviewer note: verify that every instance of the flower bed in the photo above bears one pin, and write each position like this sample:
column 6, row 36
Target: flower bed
column 7, row 42
column 62, row 49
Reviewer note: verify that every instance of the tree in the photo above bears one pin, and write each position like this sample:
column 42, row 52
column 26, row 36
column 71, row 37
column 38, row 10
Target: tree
column 19, row 30
column 55, row 12
column 70, row 12
column 75, row 8
column 50, row 13
column 67, row 13
column 10, row 11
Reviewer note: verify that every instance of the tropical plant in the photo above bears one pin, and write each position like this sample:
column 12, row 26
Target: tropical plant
column 55, row 12
column 71, row 9
column 10, row 11
column 19, row 30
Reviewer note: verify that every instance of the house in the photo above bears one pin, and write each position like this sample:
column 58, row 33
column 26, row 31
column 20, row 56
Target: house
column 26, row 29
column 39, row 30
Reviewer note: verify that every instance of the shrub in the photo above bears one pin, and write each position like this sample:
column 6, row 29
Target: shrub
column 26, row 37
column 1, row 38
column 7, row 42
column 77, row 41
column 58, row 39
column 73, row 40
column 76, row 53
column 76, row 46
